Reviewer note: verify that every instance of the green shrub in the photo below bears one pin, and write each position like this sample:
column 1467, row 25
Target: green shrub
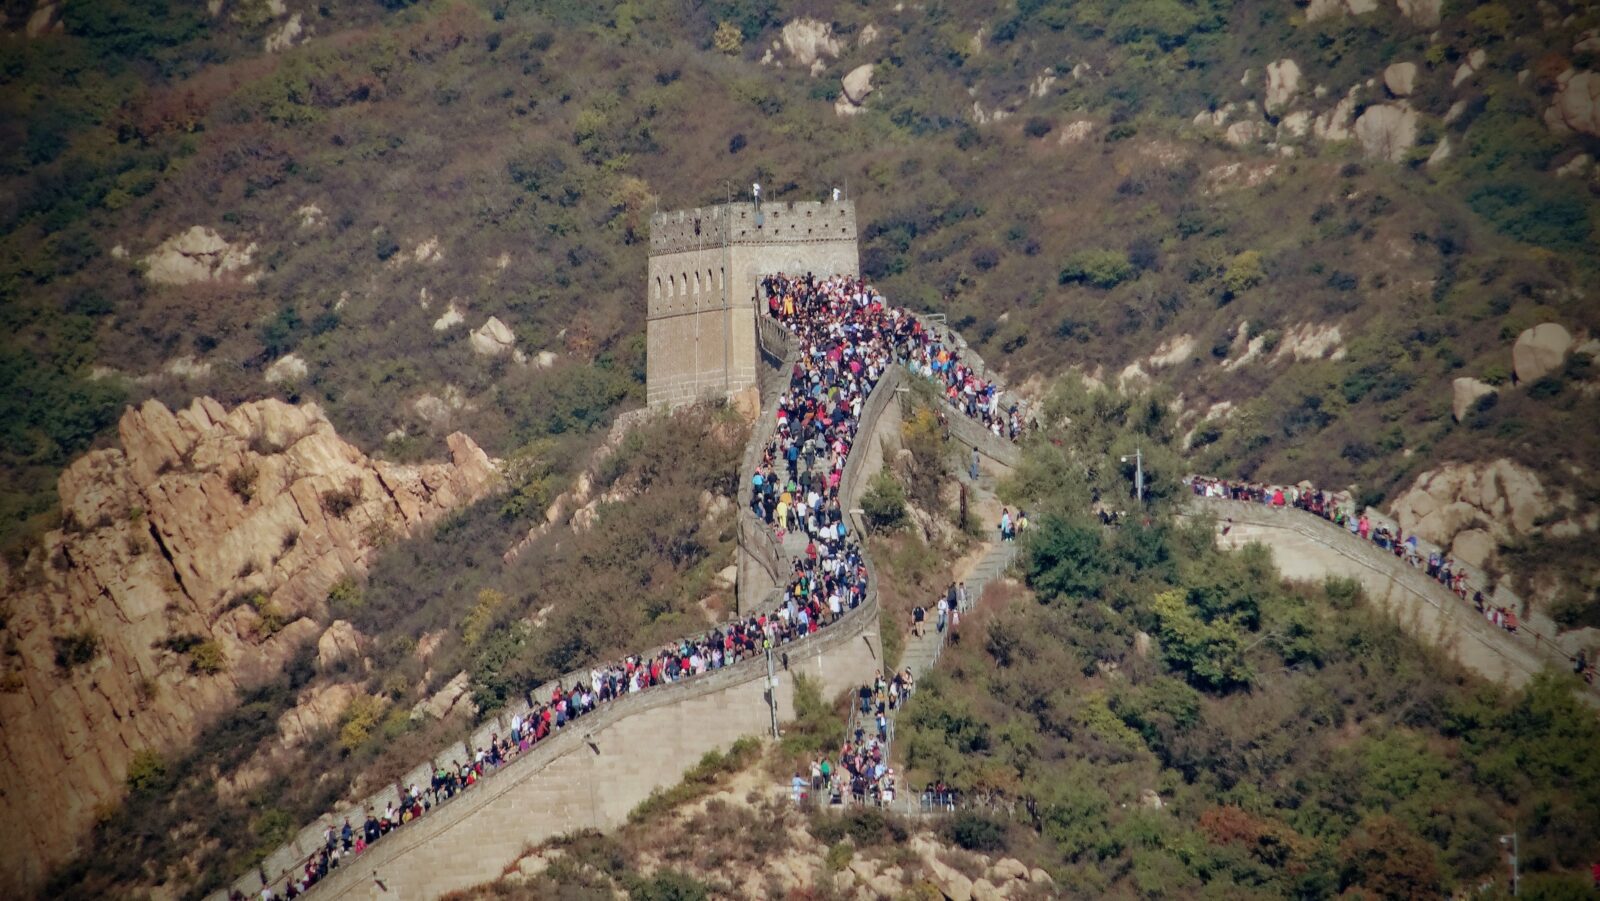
column 345, row 598
column 884, row 503
column 207, row 658
column 146, row 772
column 976, row 832
column 1100, row 268
column 359, row 719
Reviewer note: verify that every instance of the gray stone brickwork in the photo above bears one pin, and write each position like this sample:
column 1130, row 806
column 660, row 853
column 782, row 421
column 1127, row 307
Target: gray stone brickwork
column 705, row 265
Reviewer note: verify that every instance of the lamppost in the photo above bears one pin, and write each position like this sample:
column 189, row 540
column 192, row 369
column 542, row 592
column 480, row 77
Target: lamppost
column 1138, row 472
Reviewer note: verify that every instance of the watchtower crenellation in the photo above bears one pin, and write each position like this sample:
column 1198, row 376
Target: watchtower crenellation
column 705, row 265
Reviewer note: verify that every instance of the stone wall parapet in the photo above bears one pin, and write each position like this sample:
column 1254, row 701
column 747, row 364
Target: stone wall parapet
column 788, row 222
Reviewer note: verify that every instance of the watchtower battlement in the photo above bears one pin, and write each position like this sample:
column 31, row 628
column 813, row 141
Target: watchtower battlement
column 745, row 223
column 702, row 285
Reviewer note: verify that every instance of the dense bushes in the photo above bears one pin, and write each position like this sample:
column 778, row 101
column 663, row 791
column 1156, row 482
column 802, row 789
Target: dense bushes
column 1249, row 707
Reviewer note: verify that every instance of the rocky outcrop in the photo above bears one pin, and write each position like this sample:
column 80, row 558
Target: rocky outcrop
column 1283, row 83
column 287, row 368
column 492, row 339
column 1401, row 79
column 1540, row 351
column 1425, row 13
column 197, row 255
column 286, row 35
column 1577, row 104
column 1469, row 67
column 197, row 558
column 1465, row 393
column 808, row 42
column 857, row 85
column 1387, row 131
column 1447, row 505
column 1328, row 9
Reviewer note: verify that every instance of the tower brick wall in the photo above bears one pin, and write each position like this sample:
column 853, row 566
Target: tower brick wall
column 705, row 265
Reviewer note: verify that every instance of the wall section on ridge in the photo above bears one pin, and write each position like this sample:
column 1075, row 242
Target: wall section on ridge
column 597, row 770
column 1308, row 549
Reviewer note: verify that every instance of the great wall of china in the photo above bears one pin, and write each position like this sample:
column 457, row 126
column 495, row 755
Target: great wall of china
column 598, row 769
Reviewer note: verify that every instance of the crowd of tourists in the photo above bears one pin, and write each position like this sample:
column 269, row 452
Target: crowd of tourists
column 1340, row 509
column 849, row 336
column 862, row 774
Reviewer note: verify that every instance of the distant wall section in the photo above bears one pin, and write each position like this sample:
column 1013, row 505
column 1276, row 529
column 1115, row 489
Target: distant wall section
column 701, row 286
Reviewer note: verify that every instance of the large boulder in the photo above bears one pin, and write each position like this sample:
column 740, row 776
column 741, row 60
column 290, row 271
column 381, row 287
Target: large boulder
column 1470, row 66
column 1387, row 131
column 1283, row 83
column 287, row 368
column 1401, row 79
column 1466, row 391
column 493, row 338
column 1577, row 104
column 339, row 643
column 857, row 85
column 808, row 42
column 1540, row 351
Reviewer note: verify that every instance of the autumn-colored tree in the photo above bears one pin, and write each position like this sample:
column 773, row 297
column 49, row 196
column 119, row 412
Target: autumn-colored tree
column 1385, row 859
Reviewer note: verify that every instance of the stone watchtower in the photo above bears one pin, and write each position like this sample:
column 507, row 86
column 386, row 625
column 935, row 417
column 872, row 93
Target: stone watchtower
column 705, row 269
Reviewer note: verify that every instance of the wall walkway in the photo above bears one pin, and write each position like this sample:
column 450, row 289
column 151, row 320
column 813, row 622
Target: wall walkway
column 1308, row 548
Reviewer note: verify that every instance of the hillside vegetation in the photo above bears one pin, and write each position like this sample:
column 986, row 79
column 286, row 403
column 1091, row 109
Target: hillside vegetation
column 330, row 202
column 1177, row 722
column 1036, row 172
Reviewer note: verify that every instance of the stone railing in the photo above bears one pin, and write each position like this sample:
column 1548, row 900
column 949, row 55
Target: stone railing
column 1308, row 547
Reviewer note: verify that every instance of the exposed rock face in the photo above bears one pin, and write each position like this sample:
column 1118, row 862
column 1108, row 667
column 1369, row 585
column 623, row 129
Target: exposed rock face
column 1425, row 13
column 1387, row 131
column 45, row 17
column 1242, row 134
column 1283, row 83
column 285, row 35
column 1327, row 9
column 493, row 338
column 224, row 526
column 857, row 85
column 197, row 255
column 1502, row 499
column 1076, row 132
column 1334, row 125
column 1311, row 341
column 1401, row 79
column 341, row 642
column 808, row 41
column 1471, row 66
column 1540, row 351
column 450, row 318
column 1577, row 104
column 1466, row 391
column 316, row 709
column 287, row 368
